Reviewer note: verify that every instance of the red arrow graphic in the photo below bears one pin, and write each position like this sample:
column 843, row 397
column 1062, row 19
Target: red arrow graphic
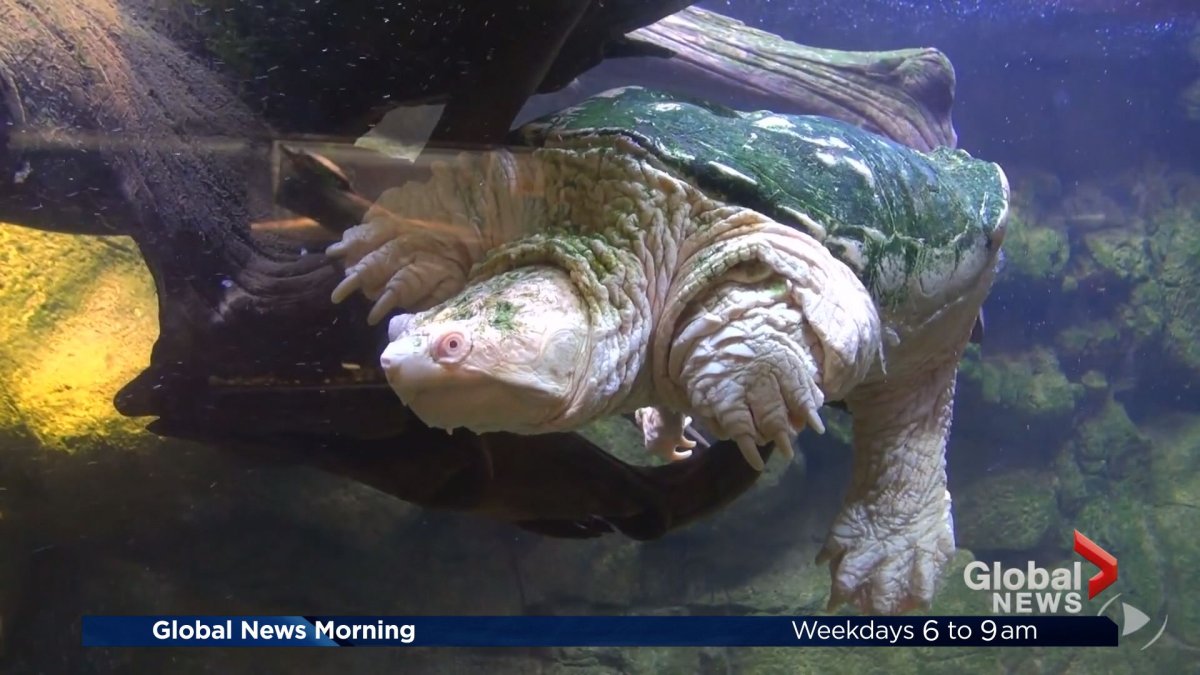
column 1100, row 558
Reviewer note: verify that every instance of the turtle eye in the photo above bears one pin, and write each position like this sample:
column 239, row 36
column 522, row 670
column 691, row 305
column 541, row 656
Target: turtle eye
column 451, row 347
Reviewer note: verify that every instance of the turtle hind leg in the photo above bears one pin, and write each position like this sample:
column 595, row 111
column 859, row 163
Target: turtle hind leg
column 894, row 534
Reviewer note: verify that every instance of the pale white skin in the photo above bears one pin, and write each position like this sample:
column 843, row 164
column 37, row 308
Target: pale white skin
column 684, row 308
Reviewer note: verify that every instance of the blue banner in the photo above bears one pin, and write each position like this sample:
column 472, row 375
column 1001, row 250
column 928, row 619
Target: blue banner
column 598, row 631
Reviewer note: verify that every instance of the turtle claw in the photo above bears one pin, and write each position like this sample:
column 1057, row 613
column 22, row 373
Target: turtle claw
column 346, row 288
column 755, row 407
column 337, row 250
column 385, row 304
column 664, row 432
column 412, row 270
column 750, row 452
column 675, row 455
column 361, row 240
column 783, row 443
column 809, row 416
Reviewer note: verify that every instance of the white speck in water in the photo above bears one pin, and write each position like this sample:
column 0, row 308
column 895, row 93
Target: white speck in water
column 22, row 174
column 667, row 107
column 826, row 158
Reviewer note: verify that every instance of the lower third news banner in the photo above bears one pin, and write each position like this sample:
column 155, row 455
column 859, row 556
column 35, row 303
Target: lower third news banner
column 598, row 631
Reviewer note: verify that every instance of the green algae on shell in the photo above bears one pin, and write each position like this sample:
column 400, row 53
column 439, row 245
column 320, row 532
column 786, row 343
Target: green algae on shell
column 893, row 214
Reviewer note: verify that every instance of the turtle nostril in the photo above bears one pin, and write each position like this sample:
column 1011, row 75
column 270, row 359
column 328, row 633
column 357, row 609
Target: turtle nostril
column 387, row 362
column 392, row 359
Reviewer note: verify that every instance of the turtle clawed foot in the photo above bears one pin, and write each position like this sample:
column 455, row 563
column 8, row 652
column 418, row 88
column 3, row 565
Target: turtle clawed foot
column 759, row 406
column 360, row 240
column 398, row 265
column 884, row 569
column 664, row 433
column 373, row 256
column 400, row 274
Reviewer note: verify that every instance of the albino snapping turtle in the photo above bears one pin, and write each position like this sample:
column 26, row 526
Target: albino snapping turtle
column 647, row 252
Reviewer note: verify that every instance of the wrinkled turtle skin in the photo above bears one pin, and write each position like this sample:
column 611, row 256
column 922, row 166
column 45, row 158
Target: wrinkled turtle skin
column 650, row 254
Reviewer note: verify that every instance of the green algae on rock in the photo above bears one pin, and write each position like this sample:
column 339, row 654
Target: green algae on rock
column 1034, row 251
column 1014, row 511
column 1175, row 244
column 1120, row 254
column 1031, row 383
column 1125, row 522
column 1074, row 487
column 1108, row 440
column 79, row 321
column 1154, row 268
column 1088, row 338
column 1174, row 497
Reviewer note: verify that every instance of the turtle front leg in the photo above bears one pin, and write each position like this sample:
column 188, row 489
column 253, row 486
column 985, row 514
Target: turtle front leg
column 757, row 357
column 398, row 263
column 419, row 241
column 894, row 535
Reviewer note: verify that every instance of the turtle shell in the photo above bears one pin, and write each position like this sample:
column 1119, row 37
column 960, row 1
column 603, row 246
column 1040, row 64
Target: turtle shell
column 890, row 212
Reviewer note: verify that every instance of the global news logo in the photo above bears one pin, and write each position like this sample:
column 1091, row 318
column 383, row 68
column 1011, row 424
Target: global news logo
column 1034, row 589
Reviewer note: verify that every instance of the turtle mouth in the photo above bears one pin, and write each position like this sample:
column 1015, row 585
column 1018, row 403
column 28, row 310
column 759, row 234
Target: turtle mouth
column 479, row 406
column 423, row 385
column 447, row 397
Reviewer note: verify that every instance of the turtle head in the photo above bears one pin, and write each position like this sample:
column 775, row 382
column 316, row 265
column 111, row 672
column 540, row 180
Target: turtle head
column 507, row 354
